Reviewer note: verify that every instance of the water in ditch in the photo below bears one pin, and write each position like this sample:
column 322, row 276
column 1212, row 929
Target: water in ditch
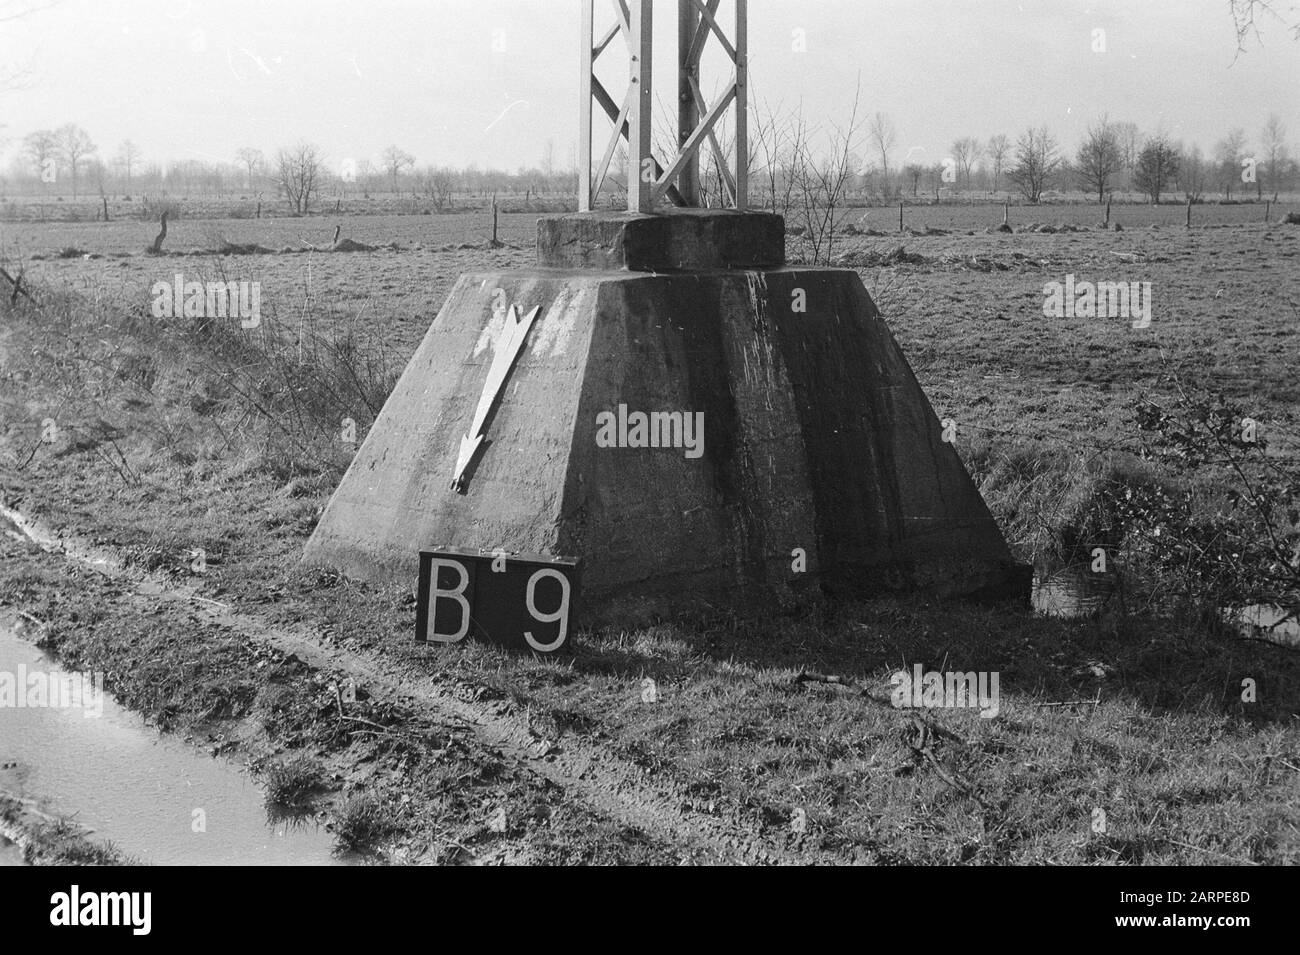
column 1077, row 592
column 157, row 798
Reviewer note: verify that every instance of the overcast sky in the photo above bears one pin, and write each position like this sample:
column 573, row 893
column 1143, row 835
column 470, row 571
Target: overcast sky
column 490, row 81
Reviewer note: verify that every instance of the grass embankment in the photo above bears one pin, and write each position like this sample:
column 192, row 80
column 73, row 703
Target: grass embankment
column 43, row 840
column 174, row 439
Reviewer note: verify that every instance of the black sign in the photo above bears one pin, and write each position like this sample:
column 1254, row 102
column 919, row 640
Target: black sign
column 521, row 601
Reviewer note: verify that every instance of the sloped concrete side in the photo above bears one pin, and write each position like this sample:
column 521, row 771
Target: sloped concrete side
column 395, row 497
column 661, row 531
column 895, row 507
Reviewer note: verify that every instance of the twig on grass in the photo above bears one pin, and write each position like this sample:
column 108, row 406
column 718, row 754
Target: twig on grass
column 209, row 600
column 805, row 677
column 385, row 733
column 36, row 447
column 358, row 719
column 923, row 748
column 1096, row 701
column 18, row 289
column 869, row 692
column 124, row 470
column 463, row 848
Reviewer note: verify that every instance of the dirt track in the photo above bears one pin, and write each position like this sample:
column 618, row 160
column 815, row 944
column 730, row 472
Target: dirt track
column 601, row 781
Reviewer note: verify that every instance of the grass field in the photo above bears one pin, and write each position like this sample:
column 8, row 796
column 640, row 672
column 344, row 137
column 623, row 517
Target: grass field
column 162, row 451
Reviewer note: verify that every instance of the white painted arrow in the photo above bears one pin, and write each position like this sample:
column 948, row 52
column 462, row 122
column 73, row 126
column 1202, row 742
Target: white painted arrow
column 509, row 344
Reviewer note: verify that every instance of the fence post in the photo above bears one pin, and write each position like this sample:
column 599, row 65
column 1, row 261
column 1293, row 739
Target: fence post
column 900, row 215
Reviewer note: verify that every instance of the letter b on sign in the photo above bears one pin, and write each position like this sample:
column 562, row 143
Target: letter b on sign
column 525, row 603
column 444, row 601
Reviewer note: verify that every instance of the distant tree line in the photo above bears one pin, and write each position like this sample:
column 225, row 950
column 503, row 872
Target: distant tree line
column 67, row 162
column 1111, row 158
column 857, row 162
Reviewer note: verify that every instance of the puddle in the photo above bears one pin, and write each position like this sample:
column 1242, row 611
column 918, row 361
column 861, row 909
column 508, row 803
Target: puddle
column 1262, row 620
column 131, row 784
column 1072, row 591
column 1077, row 592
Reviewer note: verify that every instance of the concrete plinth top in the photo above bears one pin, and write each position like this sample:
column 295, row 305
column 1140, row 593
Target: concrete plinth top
column 678, row 240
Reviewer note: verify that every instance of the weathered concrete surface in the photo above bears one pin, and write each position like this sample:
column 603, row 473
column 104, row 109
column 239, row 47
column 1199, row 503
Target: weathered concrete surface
column 896, row 509
column 395, row 496
column 676, row 240
column 816, row 436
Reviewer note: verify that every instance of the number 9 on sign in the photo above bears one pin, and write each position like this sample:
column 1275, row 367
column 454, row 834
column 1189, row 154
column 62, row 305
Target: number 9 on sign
column 524, row 602
column 560, row 615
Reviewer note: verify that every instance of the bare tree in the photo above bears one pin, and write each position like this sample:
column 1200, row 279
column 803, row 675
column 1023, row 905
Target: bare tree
column 365, row 172
column 15, row 75
column 882, row 136
column 715, row 174
column 297, row 175
column 252, row 160
column 1245, row 12
column 1129, row 138
column 936, row 178
column 75, row 145
column 548, row 159
column 1273, row 150
column 794, row 160
column 1099, row 158
column 394, row 161
column 41, row 147
column 998, row 148
column 127, row 158
column 1227, row 158
column 782, row 140
column 1192, row 172
column 966, row 151
column 437, row 184
column 1157, row 167
column 767, row 133
column 1036, row 162
column 822, row 184
column 762, row 138
column 97, row 171
column 913, row 172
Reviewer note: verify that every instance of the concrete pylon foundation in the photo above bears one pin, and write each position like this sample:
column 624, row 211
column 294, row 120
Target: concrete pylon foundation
column 735, row 437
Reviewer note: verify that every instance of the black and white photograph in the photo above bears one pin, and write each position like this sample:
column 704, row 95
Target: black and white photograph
column 574, row 433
